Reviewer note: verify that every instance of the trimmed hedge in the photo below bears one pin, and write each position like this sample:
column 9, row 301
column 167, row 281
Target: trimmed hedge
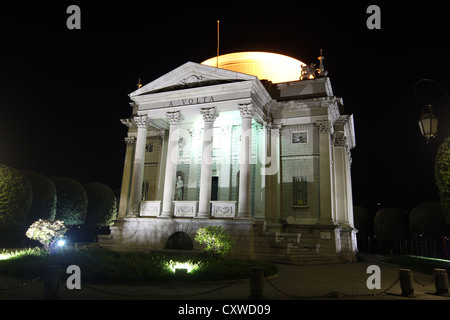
column 71, row 203
column 442, row 174
column 390, row 224
column 427, row 219
column 43, row 205
column 101, row 209
column 363, row 221
column 15, row 196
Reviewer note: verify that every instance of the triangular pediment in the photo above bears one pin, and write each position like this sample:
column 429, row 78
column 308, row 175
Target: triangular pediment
column 190, row 75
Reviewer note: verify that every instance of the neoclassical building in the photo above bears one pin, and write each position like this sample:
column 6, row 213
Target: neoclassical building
column 255, row 142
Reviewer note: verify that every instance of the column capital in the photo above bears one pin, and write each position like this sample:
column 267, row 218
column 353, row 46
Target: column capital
column 340, row 141
column 142, row 121
column 324, row 126
column 129, row 122
column 209, row 114
column 247, row 110
column 129, row 141
column 175, row 117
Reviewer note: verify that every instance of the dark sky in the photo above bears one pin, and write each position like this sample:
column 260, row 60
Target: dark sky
column 63, row 92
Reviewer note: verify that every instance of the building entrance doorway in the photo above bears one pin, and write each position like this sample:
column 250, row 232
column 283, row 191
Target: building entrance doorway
column 215, row 189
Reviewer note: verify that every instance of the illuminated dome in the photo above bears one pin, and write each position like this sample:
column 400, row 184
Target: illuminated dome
column 265, row 65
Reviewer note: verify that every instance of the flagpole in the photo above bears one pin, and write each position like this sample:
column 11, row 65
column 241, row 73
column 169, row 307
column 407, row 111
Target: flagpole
column 218, row 42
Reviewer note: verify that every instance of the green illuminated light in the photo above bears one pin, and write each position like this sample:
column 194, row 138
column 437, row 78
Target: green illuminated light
column 189, row 265
column 428, row 258
column 5, row 256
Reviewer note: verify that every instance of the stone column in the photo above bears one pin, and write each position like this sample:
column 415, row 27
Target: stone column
column 175, row 118
column 195, row 134
column 325, row 176
column 126, row 178
column 209, row 116
column 247, row 112
column 340, row 178
column 142, row 123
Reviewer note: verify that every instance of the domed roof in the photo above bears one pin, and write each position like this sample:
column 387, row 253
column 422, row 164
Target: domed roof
column 265, row 65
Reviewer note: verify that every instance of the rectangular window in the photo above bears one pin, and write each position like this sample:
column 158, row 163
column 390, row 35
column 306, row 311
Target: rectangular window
column 300, row 188
column 300, row 137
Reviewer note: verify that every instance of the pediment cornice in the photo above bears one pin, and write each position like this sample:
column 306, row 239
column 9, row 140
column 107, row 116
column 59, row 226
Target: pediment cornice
column 191, row 75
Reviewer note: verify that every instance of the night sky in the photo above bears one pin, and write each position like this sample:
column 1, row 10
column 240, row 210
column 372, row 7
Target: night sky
column 63, row 92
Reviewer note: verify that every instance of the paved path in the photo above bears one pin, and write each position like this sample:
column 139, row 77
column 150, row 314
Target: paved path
column 293, row 283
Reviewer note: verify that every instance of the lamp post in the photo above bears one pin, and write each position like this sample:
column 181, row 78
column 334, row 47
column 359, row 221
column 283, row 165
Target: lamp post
column 428, row 122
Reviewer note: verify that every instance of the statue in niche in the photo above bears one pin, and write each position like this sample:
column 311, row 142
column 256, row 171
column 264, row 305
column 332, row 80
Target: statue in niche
column 179, row 189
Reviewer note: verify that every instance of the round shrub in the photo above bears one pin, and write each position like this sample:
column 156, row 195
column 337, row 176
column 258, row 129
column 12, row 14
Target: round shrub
column 71, row 201
column 363, row 221
column 442, row 174
column 43, row 205
column 390, row 224
column 427, row 219
column 15, row 196
column 101, row 209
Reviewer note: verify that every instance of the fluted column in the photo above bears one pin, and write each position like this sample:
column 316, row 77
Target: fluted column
column 326, row 214
column 247, row 112
column 175, row 118
column 126, row 178
column 340, row 178
column 209, row 116
column 142, row 123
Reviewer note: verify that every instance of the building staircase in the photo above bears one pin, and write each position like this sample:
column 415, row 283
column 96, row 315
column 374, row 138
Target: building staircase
column 289, row 248
column 276, row 247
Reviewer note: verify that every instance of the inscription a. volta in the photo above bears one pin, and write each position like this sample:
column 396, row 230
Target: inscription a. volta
column 198, row 100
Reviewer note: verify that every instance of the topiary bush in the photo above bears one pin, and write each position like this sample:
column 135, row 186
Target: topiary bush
column 15, row 196
column 43, row 205
column 427, row 220
column 71, row 201
column 101, row 209
column 442, row 174
column 390, row 224
column 363, row 221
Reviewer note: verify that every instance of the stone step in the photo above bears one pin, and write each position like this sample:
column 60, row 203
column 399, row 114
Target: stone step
column 303, row 259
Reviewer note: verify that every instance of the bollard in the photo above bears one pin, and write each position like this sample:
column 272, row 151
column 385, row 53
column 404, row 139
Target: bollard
column 406, row 282
column 51, row 281
column 441, row 281
column 256, row 284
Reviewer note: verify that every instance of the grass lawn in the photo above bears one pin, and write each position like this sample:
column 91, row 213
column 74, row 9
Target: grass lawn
column 418, row 262
column 103, row 265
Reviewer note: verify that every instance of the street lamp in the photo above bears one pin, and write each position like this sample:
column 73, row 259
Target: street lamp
column 428, row 122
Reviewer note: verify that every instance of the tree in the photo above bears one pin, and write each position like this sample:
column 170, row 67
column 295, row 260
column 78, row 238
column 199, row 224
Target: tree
column 442, row 174
column 101, row 209
column 15, row 196
column 427, row 219
column 390, row 224
column 71, row 201
column 43, row 205
column 216, row 239
column 363, row 221
column 47, row 233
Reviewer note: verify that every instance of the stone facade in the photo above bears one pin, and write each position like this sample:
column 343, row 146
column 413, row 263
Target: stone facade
column 208, row 146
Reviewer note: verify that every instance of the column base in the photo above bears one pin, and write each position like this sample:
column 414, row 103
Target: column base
column 202, row 215
column 166, row 215
column 243, row 216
